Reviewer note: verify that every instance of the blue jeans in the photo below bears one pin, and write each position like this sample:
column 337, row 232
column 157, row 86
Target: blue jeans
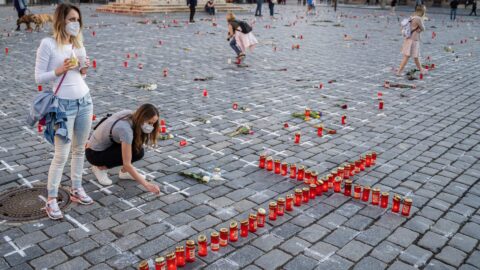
column 79, row 120
column 453, row 14
column 270, row 6
column 233, row 44
column 258, row 11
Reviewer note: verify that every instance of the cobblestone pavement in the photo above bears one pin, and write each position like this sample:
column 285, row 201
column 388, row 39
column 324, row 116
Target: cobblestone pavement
column 426, row 139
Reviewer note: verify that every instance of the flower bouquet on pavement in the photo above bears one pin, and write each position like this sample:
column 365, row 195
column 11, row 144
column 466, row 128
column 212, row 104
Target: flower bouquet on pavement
column 202, row 178
column 389, row 84
column 241, row 130
column 313, row 114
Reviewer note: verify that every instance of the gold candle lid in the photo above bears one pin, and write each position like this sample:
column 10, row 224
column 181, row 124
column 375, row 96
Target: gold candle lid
column 179, row 248
column 244, row 222
column 284, row 163
column 272, row 204
column 202, row 238
column 301, row 167
column 233, row 224
column 143, row 264
column 190, row 243
column 314, row 173
column 338, row 179
column 160, row 259
column 320, row 182
column 214, row 234
column 297, row 190
column 253, row 216
column 269, row 158
column 293, row 165
column 396, row 197
column 223, row 230
column 408, row 200
column 308, row 171
column 281, row 200
column 313, row 186
column 376, row 189
column 289, row 196
column 306, row 189
column 171, row 256
column 277, row 160
column 262, row 211
column 366, row 187
column 385, row 193
column 348, row 182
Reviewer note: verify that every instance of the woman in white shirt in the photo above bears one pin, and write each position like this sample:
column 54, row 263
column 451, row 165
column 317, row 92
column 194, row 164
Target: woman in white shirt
column 63, row 55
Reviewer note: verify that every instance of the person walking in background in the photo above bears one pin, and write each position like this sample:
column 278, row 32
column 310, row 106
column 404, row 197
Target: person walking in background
column 240, row 36
column 453, row 9
column 271, row 6
column 192, row 4
column 258, row 11
column 393, row 4
column 474, row 8
column 21, row 7
column 411, row 43
column 210, row 7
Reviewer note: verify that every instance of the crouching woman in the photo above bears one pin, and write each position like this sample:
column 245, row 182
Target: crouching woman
column 118, row 141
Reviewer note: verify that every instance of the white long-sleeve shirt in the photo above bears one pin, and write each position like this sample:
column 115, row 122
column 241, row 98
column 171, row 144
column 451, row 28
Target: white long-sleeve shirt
column 49, row 57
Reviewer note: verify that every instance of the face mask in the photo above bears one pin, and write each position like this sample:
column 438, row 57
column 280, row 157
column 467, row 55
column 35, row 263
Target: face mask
column 73, row 28
column 147, row 129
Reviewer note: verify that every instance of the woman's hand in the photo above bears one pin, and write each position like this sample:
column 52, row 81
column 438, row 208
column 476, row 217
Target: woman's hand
column 84, row 69
column 153, row 188
column 67, row 65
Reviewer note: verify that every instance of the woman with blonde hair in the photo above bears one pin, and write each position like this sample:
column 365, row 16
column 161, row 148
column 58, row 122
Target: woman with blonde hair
column 411, row 43
column 62, row 61
column 240, row 35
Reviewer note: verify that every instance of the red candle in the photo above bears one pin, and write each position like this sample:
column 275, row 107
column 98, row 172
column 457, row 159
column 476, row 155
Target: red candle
column 165, row 72
column 280, row 206
column 284, row 169
column 348, row 188
column 384, row 200
column 269, row 164
column 183, row 143
column 94, row 64
column 320, row 86
column 358, row 164
column 352, row 169
column 313, row 191
column 125, row 64
column 368, row 160
column 380, row 105
column 421, row 76
column 325, row 185
column 305, row 194
column 407, row 205
column 277, row 166
column 223, row 237
column 273, row 211
column 233, row 231
column 374, row 158
column 234, row 106
column 320, row 187
column 298, row 197
column 40, row 88
column 289, row 203
column 357, row 190
column 39, row 128
column 396, row 203
column 346, row 171
column 261, row 213
column 375, row 196
column 366, row 194
column 344, row 119
column 171, row 261
column 285, row 125
column 128, row 56
column 337, row 184
column 300, row 173
column 340, row 172
column 94, row 117
column 163, row 129
column 307, row 114
column 252, row 223
column 143, row 265
column 308, row 177
column 190, row 251
column 297, row 137
column 432, row 66
column 202, row 246
column 205, row 93
column 214, row 241
column 160, row 263
column 331, row 179
column 314, row 177
column 293, row 171
column 180, row 254
column 244, row 228
column 362, row 164
column 6, row 51
column 261, row 162
column 320, row 131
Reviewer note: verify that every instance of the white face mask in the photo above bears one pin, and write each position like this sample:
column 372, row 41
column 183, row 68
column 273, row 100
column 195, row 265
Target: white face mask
column 146, row 128
column 73, row 28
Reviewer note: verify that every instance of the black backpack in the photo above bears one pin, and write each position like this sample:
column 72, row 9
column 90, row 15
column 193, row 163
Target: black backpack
column 246, row 28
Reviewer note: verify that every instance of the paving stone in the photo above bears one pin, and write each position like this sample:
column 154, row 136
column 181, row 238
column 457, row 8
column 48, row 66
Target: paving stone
column 403, row 237
column 80, row 247
column 152, row 247
column 416, row 256
column 398, row 265
column 76, row 263
column 373, row 235
column 435, row 264
column 432, row 241
column 128, row 228
column 369, row 263
column 451, row 256
column 55, row 243
column 101, row 254
column 301, row 262
column 245, row 255
column 49, row 260
column 386, row 251
column 334, row 262
column 313, row 233
column 273, row 259
column 320, row 251
column 463, row 242
column 471, row 229
column 267, row 242
column 341, row 236
column 295, row 245
column 354, row 250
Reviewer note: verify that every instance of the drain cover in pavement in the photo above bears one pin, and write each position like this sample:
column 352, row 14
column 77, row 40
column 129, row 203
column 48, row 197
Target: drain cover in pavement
column 25, row 204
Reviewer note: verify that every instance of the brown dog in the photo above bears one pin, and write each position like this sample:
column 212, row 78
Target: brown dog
column 26, row 19
column 41, row 19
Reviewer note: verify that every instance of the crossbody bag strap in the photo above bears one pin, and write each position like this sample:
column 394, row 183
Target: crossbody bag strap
column 61, row 80
column 111, row 128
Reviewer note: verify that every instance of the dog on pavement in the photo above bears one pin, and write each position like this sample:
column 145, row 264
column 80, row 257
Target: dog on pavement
column 41, row 19
column 26, row 19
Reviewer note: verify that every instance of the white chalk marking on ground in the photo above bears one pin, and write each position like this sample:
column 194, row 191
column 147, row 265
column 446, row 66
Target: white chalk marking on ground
column 7, row 166
column 275, row 152
column 247, row 163
column 190, row 140
column 76, row 222
column 212, row 131
column 101, row 188
column 16, row 250
column 2, row 113
column 177, row 189
column 220, row 152
column 270, row 133
column 179, row 161
column 5, row 149
column 188, row 123
column 27, row 130
column 307, row 143
column 256, row 105
column 243, row 141
column 133, row 207
column 26, row 182
column 281, row 112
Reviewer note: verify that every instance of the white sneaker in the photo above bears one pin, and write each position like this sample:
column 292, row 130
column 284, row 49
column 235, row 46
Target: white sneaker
column 52, row 209
column 127, row 176
column 102, row 176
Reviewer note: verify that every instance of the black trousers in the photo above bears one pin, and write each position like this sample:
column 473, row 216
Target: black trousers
column 112, row 156
column 192, row 12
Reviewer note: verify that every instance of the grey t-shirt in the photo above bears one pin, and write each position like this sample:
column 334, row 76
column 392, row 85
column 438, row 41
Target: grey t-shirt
column 122, row 132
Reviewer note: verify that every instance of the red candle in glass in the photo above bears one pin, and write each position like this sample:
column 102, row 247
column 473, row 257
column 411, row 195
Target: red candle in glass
column 272, row 215
column 269, row 164
column 277, row 166
column 125, row 64
column 407, row 205
column 163, row 129
column 307, row 113
column 233, row 231
column 368, row 160
column 320, row 187
column 314, row 178
column 331, row 179
column 362, row 165
column 214, row 241
column 358, row 163
column 160, row 263
column 94, row 64
column 325, row 185
column 313, row 191
column 344, row 119
column 346, row 171
column 396, row 203
column 202, row 246
column 165, row 72
column 143, row 265
column 298, row 197
column 340, row 172
column 352, row 169
column 205, row 93
column 252, row 222
column 380, row 104
column 180, row 254
column 261, row 161
column 190, row 251
column 305, row 194
column 384, row 200
column 293, row 171
column 320, row 131
column 284, row 168
column 244, row 228
column 375, row 196
column 289, row 203
column 297, row 137
column 40, row 88
column 280, row 206
column 300, row 173
column 366, row 194
column 261, row 213
column 308, row 177
column 347, row 188
column 235, row 106
column 171, row 261
column 39, row 128
column 337, row 184
column 357, row 190
column 223, row 237
column 374, row 158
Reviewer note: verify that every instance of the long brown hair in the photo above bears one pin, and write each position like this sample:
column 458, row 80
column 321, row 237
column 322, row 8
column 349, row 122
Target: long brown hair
column 140, row 116
column 59, row 23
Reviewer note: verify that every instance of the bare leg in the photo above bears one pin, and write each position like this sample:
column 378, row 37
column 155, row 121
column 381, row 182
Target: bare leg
column 402, row 64
column 419, row 66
